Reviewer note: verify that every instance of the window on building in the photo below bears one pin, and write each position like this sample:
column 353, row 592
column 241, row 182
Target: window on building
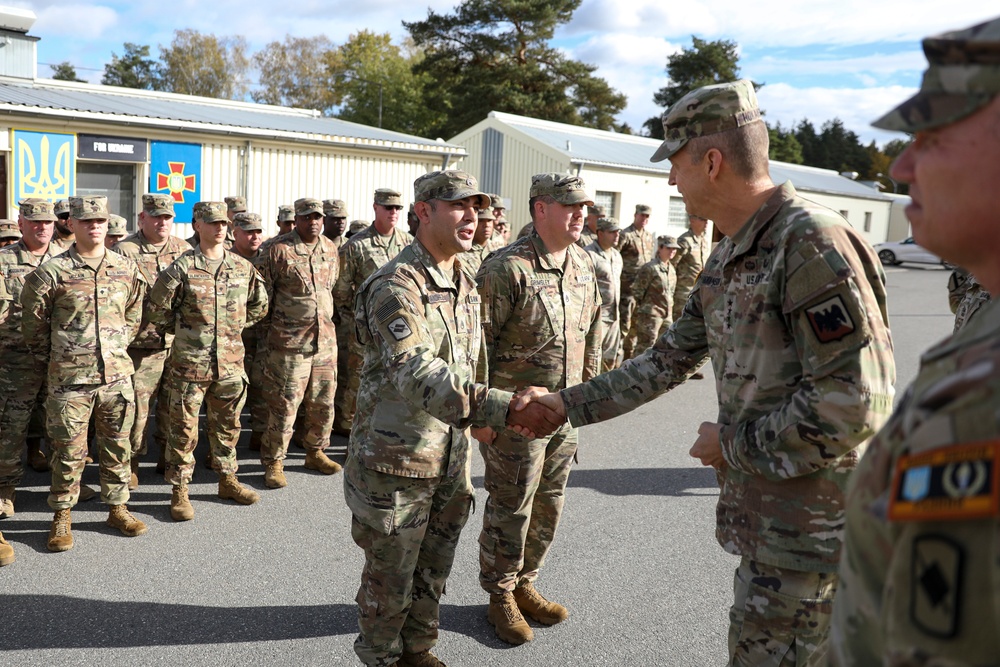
column 608, row 200
column 114, row 181
column 868, row 221
column 677, row 213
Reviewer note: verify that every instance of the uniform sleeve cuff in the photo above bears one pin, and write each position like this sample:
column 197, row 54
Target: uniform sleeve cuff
column 494, row 409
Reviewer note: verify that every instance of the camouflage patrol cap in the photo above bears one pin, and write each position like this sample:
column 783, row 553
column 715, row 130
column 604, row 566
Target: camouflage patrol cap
column 388, row 197
column 213, row 211
column 61, row 207
column 707, row 110
column 117, row 226
column 962, row 76
column 91, row 207
column 668, row 241
column 449, row 185
column 564, row 189
column 198, row 209
column 357, row 226
column 158, row 204
column 597, row 210
column 496, row 202
column 608, row 225
column 286, row 213
column 236, row 204
column 644, row 209
column 9, row 230
column 486, row 214
column 308, row 206
column 37, row 210
column 334, row 208
column 248, row 222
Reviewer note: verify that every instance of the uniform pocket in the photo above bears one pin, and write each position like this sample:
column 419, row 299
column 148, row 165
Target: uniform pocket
column 775, row 623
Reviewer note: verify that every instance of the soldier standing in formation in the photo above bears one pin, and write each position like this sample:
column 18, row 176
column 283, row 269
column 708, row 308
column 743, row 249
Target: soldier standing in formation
column 608, row 270
column 81, row 311
column 335, row 221
column 473, row 259
column 497, row 239
column 541, row 296
column 63, row 237
column 589, row 233
column 117, row 230
column 153, row 248
column 653, row 291
column 921, row 567
column 9, row 233
column 300, row 271
column 247, row 231
column 206, row 299
column 637, row 245
column 693, row 250
column 791, row 308
column 370, row 248
column 285, row 220
column 974, row 298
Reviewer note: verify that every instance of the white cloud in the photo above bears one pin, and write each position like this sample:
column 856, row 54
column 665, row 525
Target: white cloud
column 873, row 64
column 65, row 20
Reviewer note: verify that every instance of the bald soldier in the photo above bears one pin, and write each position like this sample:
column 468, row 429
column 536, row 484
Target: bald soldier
column 637, row 245
column 920, row 574
column 791, row 308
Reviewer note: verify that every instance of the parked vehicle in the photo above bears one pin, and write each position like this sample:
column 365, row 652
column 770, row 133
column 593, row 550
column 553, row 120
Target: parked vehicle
column 907, row 250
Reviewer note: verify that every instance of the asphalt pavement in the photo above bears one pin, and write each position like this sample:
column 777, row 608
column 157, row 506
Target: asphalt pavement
column 635, row 559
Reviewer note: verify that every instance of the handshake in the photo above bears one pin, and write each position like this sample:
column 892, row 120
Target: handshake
column 533, row 413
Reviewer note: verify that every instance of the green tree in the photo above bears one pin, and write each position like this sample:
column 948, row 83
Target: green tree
column 206, row 65
column 65, row 71
column 495, row 55
column 297, row 73
column 134, row 69
column 704, row 64
column 896, row 147
column 783, row 145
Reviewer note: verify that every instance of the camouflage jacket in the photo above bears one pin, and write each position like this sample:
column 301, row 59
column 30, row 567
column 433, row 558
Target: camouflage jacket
column 473, row 259
column 495, row 243
column 16, row 262
column 542, row 320
column 608, row 269
column 424, row 351
column 653, row 288
column 972, row 301
column 792, row 311
column 586, row 237
column 958, row 285
column 637, row 247
column 151, row 261
column 300, row 282
column 690, row 259
column 81, row 321
column 207, row 313
column 58, row 245
column 920, row 575
column 366, row 252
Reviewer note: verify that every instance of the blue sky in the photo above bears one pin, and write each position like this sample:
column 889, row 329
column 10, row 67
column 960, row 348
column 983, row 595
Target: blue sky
column 849, row 59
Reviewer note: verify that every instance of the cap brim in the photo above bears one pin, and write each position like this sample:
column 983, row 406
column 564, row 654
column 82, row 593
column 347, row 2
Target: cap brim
column 484, row 199
column 927, row 110
column 577, row 197
column 667, row 148
column 41, row 218
column 161, row 211
column 94, row 216
column 213, row 218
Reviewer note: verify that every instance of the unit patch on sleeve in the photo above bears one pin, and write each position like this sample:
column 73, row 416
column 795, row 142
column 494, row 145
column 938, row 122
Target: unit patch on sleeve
column 399, row 329
column 936, row 570
column 958, row 482
column 830, row 320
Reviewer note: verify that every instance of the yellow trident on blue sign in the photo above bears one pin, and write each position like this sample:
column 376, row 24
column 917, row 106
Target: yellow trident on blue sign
column 45, row 165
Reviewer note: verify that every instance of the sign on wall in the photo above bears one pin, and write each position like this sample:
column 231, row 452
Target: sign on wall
column 44, row 165
column 98, row 147
column 175, row 169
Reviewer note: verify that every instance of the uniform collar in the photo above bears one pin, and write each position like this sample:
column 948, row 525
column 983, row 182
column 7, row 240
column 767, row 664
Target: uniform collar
column 25, row 256
column 201, row 261
column 744, row 239
column 438, row 277
column 546, row 260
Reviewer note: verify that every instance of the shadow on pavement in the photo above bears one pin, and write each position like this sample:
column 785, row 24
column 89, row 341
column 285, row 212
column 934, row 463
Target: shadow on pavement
column 642, row 481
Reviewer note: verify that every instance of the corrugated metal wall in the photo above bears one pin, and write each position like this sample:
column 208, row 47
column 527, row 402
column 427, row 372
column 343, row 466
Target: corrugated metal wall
column 521, row 162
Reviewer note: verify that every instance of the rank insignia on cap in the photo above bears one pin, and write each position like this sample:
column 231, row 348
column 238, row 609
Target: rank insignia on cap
column 936, row 570
column 948, row 483
column 830, row 320
column 399, row 329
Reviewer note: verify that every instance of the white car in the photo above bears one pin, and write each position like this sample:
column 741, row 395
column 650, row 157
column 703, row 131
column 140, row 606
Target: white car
column 907, row 250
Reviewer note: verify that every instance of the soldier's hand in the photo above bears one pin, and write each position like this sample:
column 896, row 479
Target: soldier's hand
column 551, row 400
column 485, row 435
column 530, row 417
column 708, row 446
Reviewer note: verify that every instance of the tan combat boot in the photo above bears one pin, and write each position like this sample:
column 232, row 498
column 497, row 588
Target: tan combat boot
column 507, row 620
column 36, row 457
column 7, row 494
column 255, row 440
column 60, row 535
column 274, row 475
column 423, row 659
column 318, row 460
column 532, row 604
column 180, row 504
column 231, row 489
column 119, row 517
column 133, row 480
column 6, row 552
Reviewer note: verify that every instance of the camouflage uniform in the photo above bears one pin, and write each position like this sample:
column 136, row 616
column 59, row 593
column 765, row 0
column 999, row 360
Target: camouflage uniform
column 207, row 312
column 22, row 374
column 336, row 208
column 608, row 270
column 301, row 366
column 543, row 327
column 367, row 251
column 637, row 247
column 972, row 301
column 81, row 321
column 9, row 232
column 256, row 405
column 653, row 291
column 149, row 350
column 688, row 263
column 407, row 479
column 920, row 574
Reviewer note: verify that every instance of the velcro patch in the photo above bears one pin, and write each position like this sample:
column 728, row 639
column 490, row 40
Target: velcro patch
column 936, row 572
column 948, row 483
column 540, row 282
column 830, row 320
column 391, row 306
column 585, row 278
column 399, row 329
column 438, row 297
column 475, row 298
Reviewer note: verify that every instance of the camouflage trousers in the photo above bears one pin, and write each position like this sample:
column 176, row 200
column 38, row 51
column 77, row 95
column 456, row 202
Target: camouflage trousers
column 69, row 409
column 254, row 361
column 526, row 482
column 646, row 329
column 149, row 391
column 294, row 380
column 349, row 372
column 626, row 309
column 779, row 617
column 223, row 401
column 611, row 356
column 409, row 529
column 22, row 400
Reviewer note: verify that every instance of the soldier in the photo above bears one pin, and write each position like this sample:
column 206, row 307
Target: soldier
column 473, row 259
column 543, row 327
column 247, row 229
column 22, row 374
column 502, row 232
column 117, row 230
column 412, row 221
column 589, row 233
column 653, row 290
column 689, row 262
column 300, row 271
column 368, row 250
column 356, row 226
column 608, row 270
column 497, row 240
column 920, row 567
column 206, row 298
column 972, row 302
column 153, row 248
column 791, row 308
column 335, row 221
column 234, row 204
column 63, row 237
column 637, row 245
column 196, row 215
column 81, row 311
column 9, row 233
column 286, row 219
column 407, row 480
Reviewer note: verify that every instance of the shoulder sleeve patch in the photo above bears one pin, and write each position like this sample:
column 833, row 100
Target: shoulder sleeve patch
column 830, row 319
column 952, row 483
